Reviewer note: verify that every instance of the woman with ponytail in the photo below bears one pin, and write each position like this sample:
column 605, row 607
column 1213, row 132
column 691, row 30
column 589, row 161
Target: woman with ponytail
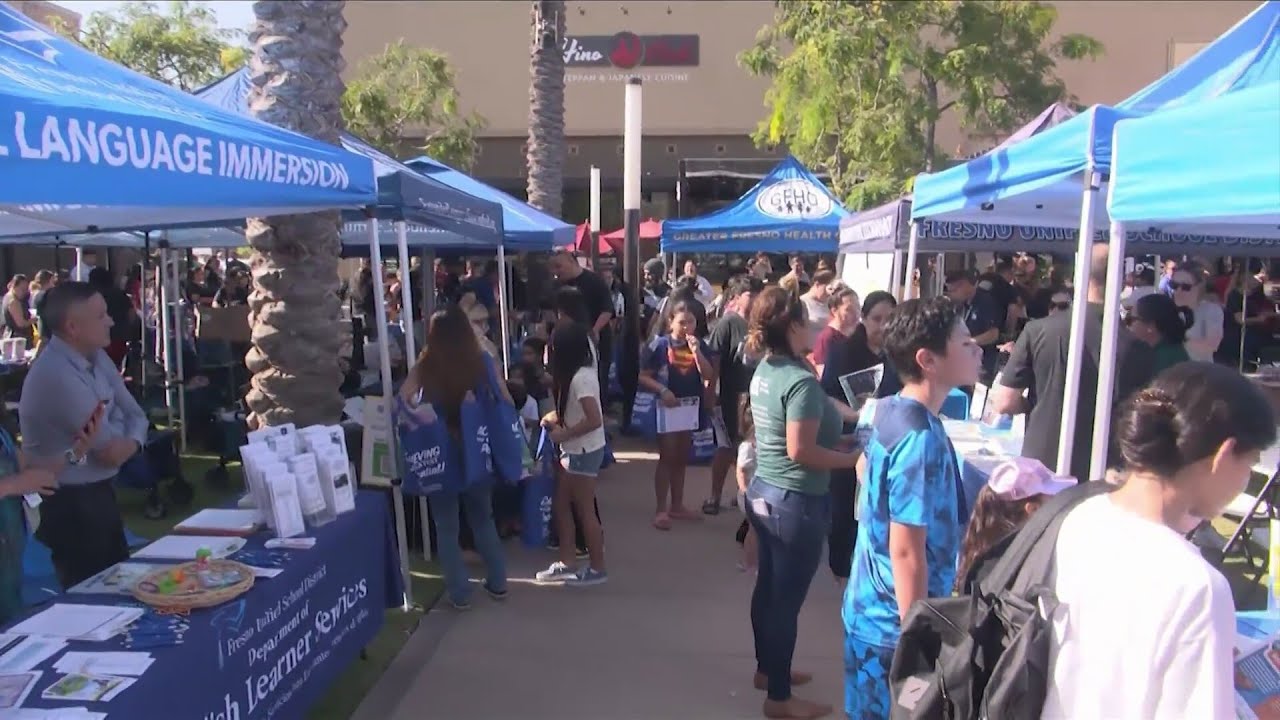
column 788, row 502
column 1145, row 627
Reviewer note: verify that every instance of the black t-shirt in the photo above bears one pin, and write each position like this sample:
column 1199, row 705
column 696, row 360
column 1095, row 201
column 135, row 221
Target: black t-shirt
column 1002, row 294
column 850, row 356
column 598, row 299
column 1039, row 363
column 980, row 316
column 727, row 339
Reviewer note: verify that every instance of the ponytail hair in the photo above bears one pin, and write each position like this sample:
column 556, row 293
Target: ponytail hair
column 773, row 313
column 1162, row 313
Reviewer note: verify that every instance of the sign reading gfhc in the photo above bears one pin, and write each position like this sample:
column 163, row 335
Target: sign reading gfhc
column 795, row 199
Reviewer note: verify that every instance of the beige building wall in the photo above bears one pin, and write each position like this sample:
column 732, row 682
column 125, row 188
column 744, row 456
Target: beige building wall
column 45, row 12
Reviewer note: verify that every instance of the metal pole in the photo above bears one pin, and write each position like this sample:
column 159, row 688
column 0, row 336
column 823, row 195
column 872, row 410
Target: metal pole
column 1244, row 305
column 165, row 346
column 895, row 275
column 179, row 345
column 631, row 182
column 1079, row 310
column 428, row 307
column 913, row 243
column 79, row 266
column 388, row 395
column 142, row 304
column 593, row 228
column 1107, row 353
column 406, row 293
column 504, row 332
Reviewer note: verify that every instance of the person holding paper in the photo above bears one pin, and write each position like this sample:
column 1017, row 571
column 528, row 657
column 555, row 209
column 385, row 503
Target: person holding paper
column 70, row 381
column 687, row 364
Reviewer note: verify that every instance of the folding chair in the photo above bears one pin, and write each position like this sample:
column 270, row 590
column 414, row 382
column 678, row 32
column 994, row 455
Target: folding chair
column 1251, row 511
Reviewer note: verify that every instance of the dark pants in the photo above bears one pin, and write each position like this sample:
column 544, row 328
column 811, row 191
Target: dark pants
column 790, row 538
column 82, row 527
column 844, row 529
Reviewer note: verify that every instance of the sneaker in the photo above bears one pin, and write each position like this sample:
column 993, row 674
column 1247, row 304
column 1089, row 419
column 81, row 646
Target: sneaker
column 498, row 595
column 587, row 577
column 464, row 604
column 558, row 572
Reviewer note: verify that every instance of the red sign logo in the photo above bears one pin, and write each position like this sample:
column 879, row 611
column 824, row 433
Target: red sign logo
column 628, row 51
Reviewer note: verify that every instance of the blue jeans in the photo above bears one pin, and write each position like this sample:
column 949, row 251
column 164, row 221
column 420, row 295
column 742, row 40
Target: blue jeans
column 791, row 528
column 478, row 504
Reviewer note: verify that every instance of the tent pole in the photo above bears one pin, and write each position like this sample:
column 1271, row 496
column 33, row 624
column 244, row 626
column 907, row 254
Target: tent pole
column 1079, row 307
column 428, row 307
column 504, row 334
column 142, row 304
column 406, row 293
column 913, row 244
column 388, row 396
column 180, row 344
column 1244, row 304
column 1107, row 353
column 895, row 275
column 166, row 334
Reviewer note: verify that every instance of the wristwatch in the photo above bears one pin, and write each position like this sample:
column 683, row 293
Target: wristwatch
column 72, row 458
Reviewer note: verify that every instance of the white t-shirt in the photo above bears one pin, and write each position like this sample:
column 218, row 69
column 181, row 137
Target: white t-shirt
column 529, row 417
column 747, row 459
column 1145, row 629
column 819, row 315
column 1208, row 322
column 1130, row 296
column 585, row 384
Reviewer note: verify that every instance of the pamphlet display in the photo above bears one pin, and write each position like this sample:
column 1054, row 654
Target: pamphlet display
column 298, row 478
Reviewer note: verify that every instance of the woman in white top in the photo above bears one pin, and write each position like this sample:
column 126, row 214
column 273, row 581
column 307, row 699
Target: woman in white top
column 1205, row 333
column 815, row 300
column 577, row 426
column 1145, row 628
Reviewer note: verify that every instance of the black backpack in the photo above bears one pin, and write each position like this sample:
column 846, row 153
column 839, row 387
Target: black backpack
column 986, row 654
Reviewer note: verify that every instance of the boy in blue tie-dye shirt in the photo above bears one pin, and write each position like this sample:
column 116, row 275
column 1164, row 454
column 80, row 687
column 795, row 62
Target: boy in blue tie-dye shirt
column 910, row 501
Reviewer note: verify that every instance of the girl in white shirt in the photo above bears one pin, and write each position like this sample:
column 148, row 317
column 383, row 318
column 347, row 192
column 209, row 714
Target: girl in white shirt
column 577, row 426
column 1145, row 629
column 746, row 473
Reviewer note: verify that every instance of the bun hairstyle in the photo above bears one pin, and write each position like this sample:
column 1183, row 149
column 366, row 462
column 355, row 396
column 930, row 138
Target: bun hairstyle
column 1187, row 413
column 773, row 313
column 1161, row 312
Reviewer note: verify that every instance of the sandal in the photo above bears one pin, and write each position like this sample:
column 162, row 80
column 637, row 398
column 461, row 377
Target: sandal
column 683, row 514
column 662, row 521
column 711, row 507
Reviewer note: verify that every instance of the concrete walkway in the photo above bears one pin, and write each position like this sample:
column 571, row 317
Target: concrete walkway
column 667, row 637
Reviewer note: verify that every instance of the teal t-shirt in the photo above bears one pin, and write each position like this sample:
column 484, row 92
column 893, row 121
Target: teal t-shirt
column 785, row 390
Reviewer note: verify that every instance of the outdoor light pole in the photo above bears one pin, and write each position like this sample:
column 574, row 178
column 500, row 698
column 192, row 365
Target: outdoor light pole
column 631, row 176
column 593, row 229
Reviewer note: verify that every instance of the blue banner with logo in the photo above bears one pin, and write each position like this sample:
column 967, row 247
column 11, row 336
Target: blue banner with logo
column 276, row 650
column 789, row 210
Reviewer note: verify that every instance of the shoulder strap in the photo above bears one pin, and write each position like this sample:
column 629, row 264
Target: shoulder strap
column 1041, row 531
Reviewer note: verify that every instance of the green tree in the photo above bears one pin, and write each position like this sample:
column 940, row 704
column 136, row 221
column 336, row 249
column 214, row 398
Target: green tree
column 406, row 91
column 859, row 87
column 179, row 43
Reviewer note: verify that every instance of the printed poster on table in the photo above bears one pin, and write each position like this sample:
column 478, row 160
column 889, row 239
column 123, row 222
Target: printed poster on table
column 376, row 455
column 1257, row 680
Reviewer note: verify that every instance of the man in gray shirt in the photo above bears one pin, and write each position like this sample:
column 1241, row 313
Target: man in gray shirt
column 69, row 381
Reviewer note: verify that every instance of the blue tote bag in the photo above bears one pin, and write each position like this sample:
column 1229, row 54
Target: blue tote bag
column 506, row 438
column 430, row 458
column 644, row 415
column 477, row 448
column 539, row 491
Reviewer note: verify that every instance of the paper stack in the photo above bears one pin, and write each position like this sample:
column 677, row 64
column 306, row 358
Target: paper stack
column 94, row 623
column 185, row 547
column 131, row 664
column 19, row 654
column 71, row 713
column 215, row 521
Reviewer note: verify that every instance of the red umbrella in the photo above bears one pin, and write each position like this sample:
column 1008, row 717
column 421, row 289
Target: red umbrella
column 582, row 242
column 650, row 230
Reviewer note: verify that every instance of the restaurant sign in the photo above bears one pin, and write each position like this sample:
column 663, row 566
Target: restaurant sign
column 629, row 51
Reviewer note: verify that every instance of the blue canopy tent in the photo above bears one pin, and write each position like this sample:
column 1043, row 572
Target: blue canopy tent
column 1213, row 164
column 94, row 146
column 789, row 210
column 1053, row 179
column 524, row 227
column 403, row 194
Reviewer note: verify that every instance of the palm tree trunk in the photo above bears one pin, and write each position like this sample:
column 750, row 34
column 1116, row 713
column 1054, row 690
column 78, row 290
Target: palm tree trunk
column 546, row 149
column 295, row 69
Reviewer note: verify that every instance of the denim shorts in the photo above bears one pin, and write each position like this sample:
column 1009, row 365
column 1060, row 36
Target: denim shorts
column 587, row 463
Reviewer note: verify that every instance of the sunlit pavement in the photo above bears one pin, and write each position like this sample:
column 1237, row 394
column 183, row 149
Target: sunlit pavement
column 667, row 637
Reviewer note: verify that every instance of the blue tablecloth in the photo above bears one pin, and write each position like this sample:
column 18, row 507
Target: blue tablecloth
column 275, row 650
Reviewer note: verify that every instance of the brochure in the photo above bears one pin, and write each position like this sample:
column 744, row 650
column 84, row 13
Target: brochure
column 1257, row 679
column 862, row 385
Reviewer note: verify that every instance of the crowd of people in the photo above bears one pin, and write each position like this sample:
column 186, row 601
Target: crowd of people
column 761, row 358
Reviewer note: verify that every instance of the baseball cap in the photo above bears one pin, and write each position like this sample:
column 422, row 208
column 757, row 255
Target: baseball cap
column 1020, row 478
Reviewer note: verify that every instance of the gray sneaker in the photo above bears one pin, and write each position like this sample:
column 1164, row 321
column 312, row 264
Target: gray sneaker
column 587, row 577
column 557, row 573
